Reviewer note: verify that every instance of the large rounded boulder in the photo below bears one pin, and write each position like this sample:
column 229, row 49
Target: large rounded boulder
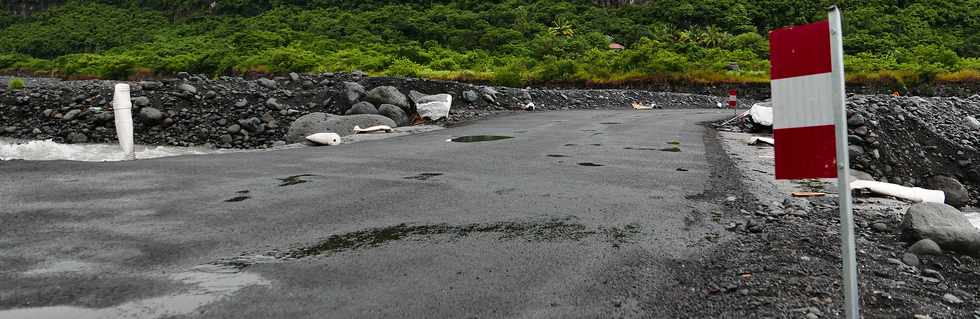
column 327, row 123
column 389, row 95
column 394, row 113
column 362, row 108
column 956, row 193
column 944, row 225
column 353, row 93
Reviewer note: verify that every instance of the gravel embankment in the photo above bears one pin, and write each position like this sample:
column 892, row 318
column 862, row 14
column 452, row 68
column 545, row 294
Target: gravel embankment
column 233, row 112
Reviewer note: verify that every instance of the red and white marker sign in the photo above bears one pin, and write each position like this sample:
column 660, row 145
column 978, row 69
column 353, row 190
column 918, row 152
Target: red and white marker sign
column 803, row 112
column 809, row 122
column 732, row 99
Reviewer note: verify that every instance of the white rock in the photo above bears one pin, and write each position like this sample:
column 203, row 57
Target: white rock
column 325, row 138
column 434, row 107
column 973, row 123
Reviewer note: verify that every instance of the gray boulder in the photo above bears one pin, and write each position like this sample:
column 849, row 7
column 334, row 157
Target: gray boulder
column 389, row 95
column 362, row 108
column 944, row 225
column 74, row 138
column 151, row 85
column 252, row 125
column 415, row 96
column 71, row 115
column 150, row 115
column 353, row 92
column 187, row 88
column 489, row 94
column 972, row 123
column 314, row 123
column 394, row 113
column 274, row 103
column 293, row 76
column 470, row 96
column 141, row 101
column 926, row 247
column 859, row 175
column 956, row 193
column 269, row 84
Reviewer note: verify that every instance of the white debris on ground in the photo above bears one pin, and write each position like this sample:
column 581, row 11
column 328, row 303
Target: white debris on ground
column 48, row 150
column 758, row 165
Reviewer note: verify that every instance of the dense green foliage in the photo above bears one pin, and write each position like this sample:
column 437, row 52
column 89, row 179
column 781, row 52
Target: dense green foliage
column 511, row 42
column 16, row 84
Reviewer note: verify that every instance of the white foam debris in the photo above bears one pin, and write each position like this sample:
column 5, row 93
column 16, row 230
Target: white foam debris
column 48, row 150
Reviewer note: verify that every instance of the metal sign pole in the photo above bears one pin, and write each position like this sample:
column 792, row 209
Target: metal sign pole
column 850, row 285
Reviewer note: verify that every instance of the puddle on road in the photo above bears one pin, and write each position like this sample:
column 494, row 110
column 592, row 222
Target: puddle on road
column 674, row 149
column 589, row 164
column 479, row 138
column 423, row 176
column 557, row 155
column 295, row 179
column 611, row 123
column 682, row 170
column 209, row 283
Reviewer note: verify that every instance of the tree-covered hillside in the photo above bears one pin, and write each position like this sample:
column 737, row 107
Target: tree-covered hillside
column 510, row 42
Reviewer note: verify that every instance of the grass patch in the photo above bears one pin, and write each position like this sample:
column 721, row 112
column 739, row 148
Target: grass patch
column 16, row 84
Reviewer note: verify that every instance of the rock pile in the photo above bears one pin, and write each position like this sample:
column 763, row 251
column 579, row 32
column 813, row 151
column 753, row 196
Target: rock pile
column 932, row 225
column 914, row 141
column 233, row 112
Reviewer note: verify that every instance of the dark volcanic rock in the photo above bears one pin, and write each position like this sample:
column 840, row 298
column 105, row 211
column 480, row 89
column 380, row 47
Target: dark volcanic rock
column 353, row 93
column 389, row 95
column 267, row 83
column 956, row 193
column 470, row 96
column 151, row 115
column 362, row 108
column 75, row 138
column 394, row 113
column 187, row 88
column 141, row 101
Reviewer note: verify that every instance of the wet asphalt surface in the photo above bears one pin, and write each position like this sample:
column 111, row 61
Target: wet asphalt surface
column 573, row 217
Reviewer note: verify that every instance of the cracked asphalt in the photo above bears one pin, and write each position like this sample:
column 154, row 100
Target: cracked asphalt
column 575, row 216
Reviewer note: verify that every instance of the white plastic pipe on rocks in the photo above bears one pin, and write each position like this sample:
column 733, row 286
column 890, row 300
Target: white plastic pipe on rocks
column 122, row 109
column 914, row 194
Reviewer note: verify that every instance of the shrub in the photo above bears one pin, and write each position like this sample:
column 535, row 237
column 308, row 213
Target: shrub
column 16, row 84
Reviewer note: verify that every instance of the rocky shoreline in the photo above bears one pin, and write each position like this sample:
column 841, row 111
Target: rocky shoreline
column 234, row 112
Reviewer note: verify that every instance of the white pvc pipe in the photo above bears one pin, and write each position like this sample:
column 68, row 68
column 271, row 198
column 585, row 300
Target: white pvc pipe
column 122, row 109
column 914, row 194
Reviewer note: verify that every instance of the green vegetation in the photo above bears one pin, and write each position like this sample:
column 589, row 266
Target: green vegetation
column 15, row 84
column 511, row 42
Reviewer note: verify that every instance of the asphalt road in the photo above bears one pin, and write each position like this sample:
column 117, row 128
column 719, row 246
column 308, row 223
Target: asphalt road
column 579, row 215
